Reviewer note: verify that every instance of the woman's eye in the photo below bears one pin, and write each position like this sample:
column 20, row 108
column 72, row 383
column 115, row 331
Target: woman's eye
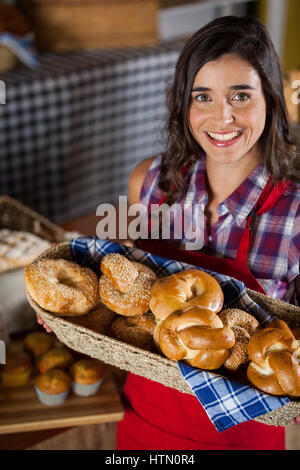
column 241, row 97
column 203, row 98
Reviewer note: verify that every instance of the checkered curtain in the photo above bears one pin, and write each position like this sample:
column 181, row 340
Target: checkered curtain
column 71, row 132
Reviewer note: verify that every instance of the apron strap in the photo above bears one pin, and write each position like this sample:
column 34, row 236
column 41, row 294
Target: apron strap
column 268, row 198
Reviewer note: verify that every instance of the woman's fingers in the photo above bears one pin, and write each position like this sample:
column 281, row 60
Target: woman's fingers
column 295, row 420
column 41, row 322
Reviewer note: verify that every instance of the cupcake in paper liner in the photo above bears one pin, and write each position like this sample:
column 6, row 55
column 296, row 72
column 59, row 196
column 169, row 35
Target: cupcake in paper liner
column 87, row 375
column 53, row 387
column 17, row 369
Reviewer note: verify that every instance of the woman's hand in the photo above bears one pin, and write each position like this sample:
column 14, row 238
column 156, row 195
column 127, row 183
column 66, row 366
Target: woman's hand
column 295, row 420
column 41, row 322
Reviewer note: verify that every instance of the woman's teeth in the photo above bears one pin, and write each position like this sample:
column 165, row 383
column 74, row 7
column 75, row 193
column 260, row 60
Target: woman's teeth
column 224, row 137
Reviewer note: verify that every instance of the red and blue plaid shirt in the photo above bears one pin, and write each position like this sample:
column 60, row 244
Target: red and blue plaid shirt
column 274, row 252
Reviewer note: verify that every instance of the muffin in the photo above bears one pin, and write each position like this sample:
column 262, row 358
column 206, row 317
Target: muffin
column 57, row 358
column 53, row 387
column 87, row 375
column 17, row 370
column 38, row 343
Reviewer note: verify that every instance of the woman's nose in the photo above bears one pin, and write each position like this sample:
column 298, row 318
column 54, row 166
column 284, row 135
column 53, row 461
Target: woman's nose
column 222, row 114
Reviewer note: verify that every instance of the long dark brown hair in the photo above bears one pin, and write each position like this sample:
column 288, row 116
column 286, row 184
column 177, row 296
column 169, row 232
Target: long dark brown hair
column 247, row 37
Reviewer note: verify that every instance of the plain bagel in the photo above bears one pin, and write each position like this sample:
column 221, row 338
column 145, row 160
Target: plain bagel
column 62, row 287
column 188, row 288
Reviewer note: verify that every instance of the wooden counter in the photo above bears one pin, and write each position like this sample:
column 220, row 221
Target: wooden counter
column 21, row 410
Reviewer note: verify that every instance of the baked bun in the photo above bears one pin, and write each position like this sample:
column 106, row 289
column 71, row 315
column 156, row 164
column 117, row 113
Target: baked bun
column 275, row 360
column 17, row 369
column 38, row 343
column 133, row 302
column 243, row 326
column 296, row 333
column 137, row 330
column 62, row 287
column 188, row 288
column 57, row 358
column 98, row 319
column 120, row 271
column 86, row 371
column 55, row 381
column 195, row 335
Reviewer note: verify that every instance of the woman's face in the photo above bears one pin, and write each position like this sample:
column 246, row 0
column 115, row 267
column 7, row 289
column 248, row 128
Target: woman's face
column 227, row 110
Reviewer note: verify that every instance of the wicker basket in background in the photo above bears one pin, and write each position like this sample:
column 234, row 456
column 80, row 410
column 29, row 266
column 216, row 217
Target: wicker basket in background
column 16, row 314
column 79, row 334
column 16, row 216
column 66, row 25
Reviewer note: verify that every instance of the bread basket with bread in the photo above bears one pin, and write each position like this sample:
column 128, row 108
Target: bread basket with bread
column 92, row 333
column 24, row 234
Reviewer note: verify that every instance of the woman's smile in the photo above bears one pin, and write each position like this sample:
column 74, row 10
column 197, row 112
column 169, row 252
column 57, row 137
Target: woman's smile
column 224, row 139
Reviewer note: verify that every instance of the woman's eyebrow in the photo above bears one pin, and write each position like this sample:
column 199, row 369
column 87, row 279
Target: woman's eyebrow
column 233, row 87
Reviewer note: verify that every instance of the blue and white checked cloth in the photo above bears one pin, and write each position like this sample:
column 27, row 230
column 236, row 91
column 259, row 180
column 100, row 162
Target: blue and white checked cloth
column 225, row 401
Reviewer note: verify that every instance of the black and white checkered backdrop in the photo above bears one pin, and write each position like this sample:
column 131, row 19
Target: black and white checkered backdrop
column 71, row 132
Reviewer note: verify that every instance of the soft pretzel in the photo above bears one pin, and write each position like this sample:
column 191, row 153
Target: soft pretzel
column 119, row 270
column 275, row 360
column 185, row 289
column 243, row 326
column 197, row 336
column 62, row 287
column 133, row 302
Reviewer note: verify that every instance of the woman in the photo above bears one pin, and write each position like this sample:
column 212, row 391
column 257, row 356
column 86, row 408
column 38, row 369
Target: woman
column 230, row 151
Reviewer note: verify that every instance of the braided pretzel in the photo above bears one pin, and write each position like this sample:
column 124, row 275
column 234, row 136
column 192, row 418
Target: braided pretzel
column 275, row 356
column 185, row 289
column 243, row 326
column 195, row 335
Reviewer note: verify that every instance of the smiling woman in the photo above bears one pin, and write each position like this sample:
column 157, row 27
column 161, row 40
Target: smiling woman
column 229, row 152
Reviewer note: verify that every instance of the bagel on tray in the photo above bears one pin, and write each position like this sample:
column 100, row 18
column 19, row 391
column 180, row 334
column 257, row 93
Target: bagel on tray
column 62, row 287
column 126, row 285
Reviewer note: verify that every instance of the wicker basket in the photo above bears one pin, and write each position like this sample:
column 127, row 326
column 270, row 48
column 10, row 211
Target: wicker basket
column 92, row 24
column 15, row 216
column 78, row 334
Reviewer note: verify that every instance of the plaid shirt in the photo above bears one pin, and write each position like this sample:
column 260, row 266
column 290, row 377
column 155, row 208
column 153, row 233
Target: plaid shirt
column 274, row 252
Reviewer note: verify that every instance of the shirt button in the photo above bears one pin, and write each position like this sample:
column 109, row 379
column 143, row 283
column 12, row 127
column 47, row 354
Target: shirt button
column 210, row 238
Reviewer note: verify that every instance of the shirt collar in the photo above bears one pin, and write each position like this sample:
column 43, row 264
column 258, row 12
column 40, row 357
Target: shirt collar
column 241, row 202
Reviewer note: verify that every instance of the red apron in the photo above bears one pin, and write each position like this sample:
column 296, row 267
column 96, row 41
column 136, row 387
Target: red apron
column 160, row 418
